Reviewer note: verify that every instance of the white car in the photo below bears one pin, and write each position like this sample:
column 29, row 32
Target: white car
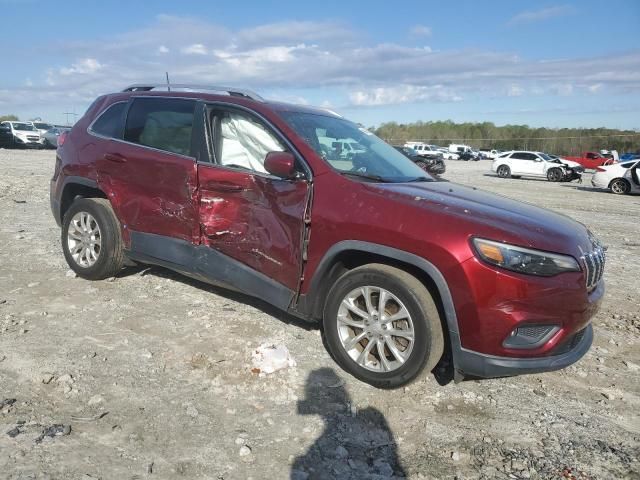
column 424, row 149
column 447, row 155
column 23, row 134
column 489, row 153
column 516, row 164
column 620, row 178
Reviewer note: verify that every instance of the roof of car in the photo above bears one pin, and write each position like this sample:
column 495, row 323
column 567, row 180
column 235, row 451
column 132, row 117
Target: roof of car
column 228, row 94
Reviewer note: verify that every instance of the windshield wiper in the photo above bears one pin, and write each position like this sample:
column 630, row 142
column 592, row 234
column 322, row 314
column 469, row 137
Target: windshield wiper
column 375, row 178
column 418, row 179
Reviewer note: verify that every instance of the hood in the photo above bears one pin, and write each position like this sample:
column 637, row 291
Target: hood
column 484, row 214
column 570, row 163
column 25, row 133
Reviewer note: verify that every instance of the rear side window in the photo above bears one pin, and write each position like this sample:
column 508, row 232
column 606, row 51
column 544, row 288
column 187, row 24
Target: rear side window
column 109, row 123
column 162, row 123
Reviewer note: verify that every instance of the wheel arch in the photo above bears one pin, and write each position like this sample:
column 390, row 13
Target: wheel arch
column 616, row 179
column 75, row 187
column 349, row 254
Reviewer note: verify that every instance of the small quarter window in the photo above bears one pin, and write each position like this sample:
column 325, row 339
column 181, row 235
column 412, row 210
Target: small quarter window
column 109, row 123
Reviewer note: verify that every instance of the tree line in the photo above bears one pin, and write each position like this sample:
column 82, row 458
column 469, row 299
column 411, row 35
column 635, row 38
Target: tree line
column 563, row 141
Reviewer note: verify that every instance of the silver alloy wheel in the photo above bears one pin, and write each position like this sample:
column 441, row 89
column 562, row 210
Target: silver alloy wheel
column 619, row 187
column 84, row 239
column 503, row 171
column 375, row 329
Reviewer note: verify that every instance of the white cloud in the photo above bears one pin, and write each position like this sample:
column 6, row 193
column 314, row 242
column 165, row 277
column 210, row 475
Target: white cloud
column 531, row 16
column 162, row 49
column 515, row 91
column 420, row 31
column 595, row 88
column 194, row 49
column 402, row 94
column 82, row 67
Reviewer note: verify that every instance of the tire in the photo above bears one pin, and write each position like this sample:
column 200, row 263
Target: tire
column 555, row 175
column 420, row 354
column 504, row 171
column 109, row 254
column 620, row 186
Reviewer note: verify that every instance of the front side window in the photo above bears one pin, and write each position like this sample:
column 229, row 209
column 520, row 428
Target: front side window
column 242, row 141
column 374, row 159
column 162, row 123
column 109, row 123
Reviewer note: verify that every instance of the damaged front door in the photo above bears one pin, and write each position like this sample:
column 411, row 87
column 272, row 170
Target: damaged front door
column 245, row 213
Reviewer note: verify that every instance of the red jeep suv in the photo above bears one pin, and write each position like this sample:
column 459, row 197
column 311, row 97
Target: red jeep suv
column 403, row 271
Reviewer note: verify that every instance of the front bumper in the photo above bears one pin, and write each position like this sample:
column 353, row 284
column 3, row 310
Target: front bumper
column 473, row 364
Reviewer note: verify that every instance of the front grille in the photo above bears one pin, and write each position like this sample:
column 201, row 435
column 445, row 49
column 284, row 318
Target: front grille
column 593, row 263
column 32, row 138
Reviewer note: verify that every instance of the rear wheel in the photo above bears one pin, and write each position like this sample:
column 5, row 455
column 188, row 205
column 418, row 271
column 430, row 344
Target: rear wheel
column 620, row 186
column 555, row 175
column 381, row 325
column 504, row 171
column 91, row 239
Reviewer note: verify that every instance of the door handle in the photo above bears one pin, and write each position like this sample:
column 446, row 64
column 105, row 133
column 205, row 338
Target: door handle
column 223, row 187
column 115, row 157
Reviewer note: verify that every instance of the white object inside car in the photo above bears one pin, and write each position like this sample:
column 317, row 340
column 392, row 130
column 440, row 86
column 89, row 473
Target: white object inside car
column 246, row 143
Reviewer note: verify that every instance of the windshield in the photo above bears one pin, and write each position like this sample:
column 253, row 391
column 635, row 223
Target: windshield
column 371, row 158
column 42, row 126
column 23, row 126
column 544, row 156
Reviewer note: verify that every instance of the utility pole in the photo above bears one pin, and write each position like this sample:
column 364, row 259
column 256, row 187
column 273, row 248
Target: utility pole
column 74, row 114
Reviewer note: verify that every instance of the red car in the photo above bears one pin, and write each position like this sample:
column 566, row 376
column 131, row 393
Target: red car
column 403, row 272
column 591, row 160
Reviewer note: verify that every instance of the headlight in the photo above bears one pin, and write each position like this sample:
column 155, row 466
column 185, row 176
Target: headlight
column 524, row 260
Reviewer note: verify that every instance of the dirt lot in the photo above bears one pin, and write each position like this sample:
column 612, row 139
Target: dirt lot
column 151, row 372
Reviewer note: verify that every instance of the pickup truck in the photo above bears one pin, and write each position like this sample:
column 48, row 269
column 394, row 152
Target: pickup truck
column 591, row 160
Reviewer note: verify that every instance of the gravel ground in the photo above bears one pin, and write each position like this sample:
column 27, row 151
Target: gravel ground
column 148, row 375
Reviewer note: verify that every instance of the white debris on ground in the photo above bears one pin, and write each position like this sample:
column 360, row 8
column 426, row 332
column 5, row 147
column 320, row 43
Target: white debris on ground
column 268, row 358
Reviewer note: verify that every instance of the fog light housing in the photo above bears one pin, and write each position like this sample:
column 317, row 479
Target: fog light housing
column 530, row 336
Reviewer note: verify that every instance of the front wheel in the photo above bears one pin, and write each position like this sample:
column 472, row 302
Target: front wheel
column 555, row 175
column 91, row 239
column 382, row 325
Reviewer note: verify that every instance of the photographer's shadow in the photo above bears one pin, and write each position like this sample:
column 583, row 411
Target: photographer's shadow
column 353, row 445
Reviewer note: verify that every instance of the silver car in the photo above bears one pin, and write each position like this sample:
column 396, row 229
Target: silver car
column 51, row 136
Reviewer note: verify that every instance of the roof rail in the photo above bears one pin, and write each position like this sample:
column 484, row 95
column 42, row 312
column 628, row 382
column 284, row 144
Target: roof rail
column 234, row 92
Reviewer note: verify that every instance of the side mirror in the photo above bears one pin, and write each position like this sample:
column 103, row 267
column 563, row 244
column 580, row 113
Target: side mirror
column 280, row 164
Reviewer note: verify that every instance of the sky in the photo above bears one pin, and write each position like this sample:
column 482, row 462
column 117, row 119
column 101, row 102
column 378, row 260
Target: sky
column 552, row 64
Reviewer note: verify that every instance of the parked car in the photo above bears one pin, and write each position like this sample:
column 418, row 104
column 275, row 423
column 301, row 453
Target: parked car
column 6, row 136
column 591, row 160
column 447, row 155
column 404, row 272
column 489, row 153
column 620, row 178
column 629, row 156
column 434, row 166
column 424, row 150
column 50, row 138
column 516, row 164
column 23, row 135
column 464, row 152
